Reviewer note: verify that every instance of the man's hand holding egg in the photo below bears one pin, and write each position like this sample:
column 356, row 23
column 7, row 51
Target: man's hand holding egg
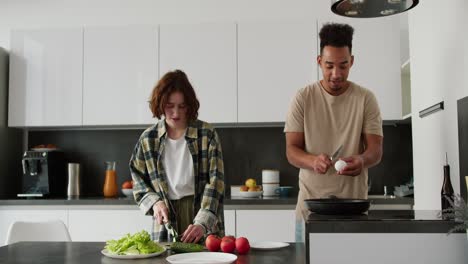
column 340, row 165
column 350, row 166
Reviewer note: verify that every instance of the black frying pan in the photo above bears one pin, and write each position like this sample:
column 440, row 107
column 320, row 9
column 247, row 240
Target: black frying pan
column 337, row 206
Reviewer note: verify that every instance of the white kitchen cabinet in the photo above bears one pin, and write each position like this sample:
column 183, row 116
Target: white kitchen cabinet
column 230, row 222
column 266, row 225
column 207, row 54
column 377, row 67
column 29, row 214
column 275, row 60
column 46, row 78
column 120, row 71
column 103, row 224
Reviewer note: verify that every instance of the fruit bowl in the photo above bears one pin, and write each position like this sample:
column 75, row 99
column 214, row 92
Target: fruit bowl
column 250, row 194
column 128, row 192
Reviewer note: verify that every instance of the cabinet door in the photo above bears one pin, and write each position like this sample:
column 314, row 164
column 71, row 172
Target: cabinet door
column 275, row 60
column 207, row 54
column 46, row 78
column 377, row 67
column 120, row 71
column 102, row 225
column 230, row 222
column 266, row 225
column 28, row 214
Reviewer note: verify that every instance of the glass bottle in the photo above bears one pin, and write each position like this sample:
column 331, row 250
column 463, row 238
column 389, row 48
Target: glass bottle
column 110, row 182
column 447, row 189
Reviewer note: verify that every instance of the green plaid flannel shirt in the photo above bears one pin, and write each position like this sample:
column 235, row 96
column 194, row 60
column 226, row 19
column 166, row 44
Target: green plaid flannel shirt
column 150, row 183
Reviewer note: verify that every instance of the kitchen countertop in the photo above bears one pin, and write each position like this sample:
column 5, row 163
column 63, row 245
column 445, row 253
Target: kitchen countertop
column 383, row 236
column 90, row 252
column 379, row 221
column 229, row 202
column 65, row 201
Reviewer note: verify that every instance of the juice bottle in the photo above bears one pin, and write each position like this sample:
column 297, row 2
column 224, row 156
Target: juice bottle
column 110, row 182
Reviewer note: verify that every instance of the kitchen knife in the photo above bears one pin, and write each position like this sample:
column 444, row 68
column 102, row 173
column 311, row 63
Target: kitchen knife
column 337, row 152
column 172, row 231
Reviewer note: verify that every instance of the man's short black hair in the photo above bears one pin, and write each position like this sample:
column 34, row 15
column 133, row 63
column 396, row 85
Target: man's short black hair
column 336, row 35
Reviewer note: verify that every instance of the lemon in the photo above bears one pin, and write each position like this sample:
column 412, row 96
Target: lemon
column 250, row 183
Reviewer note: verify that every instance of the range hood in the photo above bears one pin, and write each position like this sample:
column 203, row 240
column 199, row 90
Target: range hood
column 371, row 8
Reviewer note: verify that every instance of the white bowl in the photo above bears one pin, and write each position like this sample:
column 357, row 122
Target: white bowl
column 128, row 192
column 250, row 194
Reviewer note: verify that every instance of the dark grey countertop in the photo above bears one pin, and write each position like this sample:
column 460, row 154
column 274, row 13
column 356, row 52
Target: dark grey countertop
column 65, row 201
column 379, row 221
column 229, row 202
column 293, row 200
column 90, row 252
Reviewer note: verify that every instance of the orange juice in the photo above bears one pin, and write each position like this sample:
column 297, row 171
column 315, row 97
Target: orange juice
column 110, row 182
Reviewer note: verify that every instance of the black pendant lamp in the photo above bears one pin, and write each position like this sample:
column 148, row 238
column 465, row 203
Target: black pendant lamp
column 371, row 8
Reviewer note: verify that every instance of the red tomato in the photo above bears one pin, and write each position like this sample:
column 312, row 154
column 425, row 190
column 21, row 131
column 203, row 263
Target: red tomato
column 213, row 243
column 228, row 245
column 229, row 238
column 127, row 185
column 242, row 245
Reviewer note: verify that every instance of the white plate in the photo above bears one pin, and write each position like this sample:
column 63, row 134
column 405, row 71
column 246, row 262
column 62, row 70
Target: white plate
column 44, row 149
column 267, row 245
column 106, row 253
column 202, row 257
column 250, row 194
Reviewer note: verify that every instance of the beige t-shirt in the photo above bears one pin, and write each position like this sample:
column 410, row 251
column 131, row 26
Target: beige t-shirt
column 327, row 122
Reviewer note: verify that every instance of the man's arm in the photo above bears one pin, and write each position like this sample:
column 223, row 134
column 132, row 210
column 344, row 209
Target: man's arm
column 301, row 159
column 370, row 157
column 374, row 150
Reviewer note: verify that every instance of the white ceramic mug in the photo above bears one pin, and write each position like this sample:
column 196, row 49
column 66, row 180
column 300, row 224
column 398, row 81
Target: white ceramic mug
column 269, row 189
column 270, row 176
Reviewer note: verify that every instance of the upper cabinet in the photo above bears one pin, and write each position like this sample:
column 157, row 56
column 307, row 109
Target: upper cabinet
column 377, row 67
column 275, row 60
column 247, row 72
column 207, row 54
column 46, row 78
column 120, row 71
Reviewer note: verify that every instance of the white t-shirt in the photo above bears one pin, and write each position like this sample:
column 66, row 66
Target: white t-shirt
column 178, row 164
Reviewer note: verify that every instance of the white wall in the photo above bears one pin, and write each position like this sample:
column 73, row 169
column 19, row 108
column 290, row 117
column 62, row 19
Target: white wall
column 438, row 52
column 17, row 14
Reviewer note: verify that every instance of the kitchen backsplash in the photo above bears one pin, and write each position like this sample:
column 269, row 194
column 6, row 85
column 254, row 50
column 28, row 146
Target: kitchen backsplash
column 246, row 152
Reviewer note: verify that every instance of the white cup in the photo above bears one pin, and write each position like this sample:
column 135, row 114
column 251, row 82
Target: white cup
column 269, row 189
column 270, row 176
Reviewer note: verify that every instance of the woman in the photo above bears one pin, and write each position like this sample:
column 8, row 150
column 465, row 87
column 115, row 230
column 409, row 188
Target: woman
column 177, row 165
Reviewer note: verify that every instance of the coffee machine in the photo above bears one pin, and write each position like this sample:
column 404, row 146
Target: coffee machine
column 44, row 174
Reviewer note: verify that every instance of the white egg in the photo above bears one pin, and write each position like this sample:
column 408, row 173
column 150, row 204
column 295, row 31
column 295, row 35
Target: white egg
column 340, row 164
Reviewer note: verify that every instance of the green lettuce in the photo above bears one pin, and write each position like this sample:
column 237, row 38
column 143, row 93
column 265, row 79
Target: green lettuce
column 138, row 243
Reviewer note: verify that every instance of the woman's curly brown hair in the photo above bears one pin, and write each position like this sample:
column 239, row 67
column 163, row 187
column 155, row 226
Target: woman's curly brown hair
column 174, row 81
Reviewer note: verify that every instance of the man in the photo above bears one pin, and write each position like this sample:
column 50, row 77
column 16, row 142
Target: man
column 330, row 113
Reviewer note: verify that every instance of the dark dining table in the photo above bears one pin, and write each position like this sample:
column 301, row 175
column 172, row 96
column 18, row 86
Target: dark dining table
column 90, row 253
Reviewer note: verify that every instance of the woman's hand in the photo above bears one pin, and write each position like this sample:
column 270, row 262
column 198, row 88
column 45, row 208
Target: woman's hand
column 160, row 212
column 193, row 233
